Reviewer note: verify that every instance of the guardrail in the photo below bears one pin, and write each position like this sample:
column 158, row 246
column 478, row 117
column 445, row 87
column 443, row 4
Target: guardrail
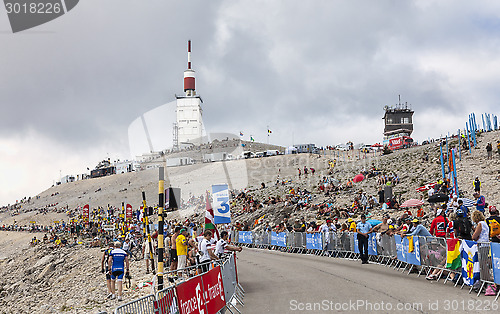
column 205, row 292
column 423, row 255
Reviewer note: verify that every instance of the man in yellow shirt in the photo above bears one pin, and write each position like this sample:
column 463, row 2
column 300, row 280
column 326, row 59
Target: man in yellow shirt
column 352, row 225
column 181, row 244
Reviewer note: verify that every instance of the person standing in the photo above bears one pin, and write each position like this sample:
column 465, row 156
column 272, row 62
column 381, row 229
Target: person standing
column 462, row 226
column 147, row 256
column 119, row 264
column 173, row 249
column 494, row 224
column 439, row 224
column 222, row 245
column 381, row 196
column 105, row 267
column 489, row 151
column 363, row 230
column 181, row 245
column 482, row 231
column 206, row 253
column 326, row 228
column 480, row 202
column 477, row 185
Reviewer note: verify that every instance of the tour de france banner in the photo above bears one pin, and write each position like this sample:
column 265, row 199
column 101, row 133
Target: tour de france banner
column 399, row 248
column 470, row 262
column 372, row 244
column 412, row 250
column 222, row 214
column 245, row 237
column 278, row 239
column 408, row 249
column 495, row 257
column 313, row 241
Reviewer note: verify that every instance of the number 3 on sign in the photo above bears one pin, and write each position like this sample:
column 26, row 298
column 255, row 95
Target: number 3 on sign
column 223, row 207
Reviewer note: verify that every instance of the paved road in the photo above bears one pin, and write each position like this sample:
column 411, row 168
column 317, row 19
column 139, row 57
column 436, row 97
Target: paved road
column 277, row 282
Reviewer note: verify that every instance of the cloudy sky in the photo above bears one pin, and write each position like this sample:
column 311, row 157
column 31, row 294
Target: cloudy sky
column 314, row 71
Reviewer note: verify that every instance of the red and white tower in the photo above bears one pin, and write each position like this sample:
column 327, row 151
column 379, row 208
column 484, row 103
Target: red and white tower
column 189, row 76
column 189, row 122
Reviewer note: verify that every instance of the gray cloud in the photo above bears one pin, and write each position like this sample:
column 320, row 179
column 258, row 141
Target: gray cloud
column 316, row 69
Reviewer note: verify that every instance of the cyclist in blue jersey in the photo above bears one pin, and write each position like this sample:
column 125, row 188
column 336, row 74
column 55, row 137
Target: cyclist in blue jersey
column 118, row 263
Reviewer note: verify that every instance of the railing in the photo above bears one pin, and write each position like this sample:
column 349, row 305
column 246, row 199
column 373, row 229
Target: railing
column 221, row 279
column 424, row 255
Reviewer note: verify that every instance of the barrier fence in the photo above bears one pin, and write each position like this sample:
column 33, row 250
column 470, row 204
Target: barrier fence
column 207, row 292
column 424, row 255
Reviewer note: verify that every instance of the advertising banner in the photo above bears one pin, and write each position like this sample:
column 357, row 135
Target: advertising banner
column 86, row 212
column 399, row 248
column 274, row 238
column 128, row 212
column 412, row 250
column 213, row 290
column 190, row 296
column 372, row 244
column 313, row 241
column 281, row 239
column 245, row 237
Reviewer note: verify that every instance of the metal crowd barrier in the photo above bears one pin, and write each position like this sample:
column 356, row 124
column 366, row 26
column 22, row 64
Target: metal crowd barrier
column 430, row 256
column 166, row 301
column 144, row 305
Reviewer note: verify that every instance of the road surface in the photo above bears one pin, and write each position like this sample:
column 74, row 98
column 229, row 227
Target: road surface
column 277, row 282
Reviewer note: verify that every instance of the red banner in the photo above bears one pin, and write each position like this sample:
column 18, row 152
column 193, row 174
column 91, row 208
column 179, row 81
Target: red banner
column 214, row 290
column 128, row 211
column 86, row 212
column 190, row 296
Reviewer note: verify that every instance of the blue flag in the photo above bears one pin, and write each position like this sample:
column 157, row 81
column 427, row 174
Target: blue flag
column 470, row 262
column 495, row 258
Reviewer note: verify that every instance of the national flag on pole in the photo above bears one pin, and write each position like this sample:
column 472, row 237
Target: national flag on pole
column 470, row 262
column 241, row 133
column 209, row 219
column 269, row 131
column 251, row 138
column 453, row 258
column 257, row 221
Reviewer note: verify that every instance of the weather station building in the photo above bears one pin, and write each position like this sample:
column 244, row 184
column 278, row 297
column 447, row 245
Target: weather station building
column 188, row 129
column 398, row 126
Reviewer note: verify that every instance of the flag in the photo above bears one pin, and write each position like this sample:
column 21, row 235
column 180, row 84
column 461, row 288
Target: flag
column 453, row 260
column 470, row 262
column 251, row 138
column 269, row 131
column 495, row 257
column 241, row 133
column 411, row 246
column 209, row 219
column 257, row 221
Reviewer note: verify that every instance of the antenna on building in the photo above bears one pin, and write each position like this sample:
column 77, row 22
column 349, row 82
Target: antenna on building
column 189, row 75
